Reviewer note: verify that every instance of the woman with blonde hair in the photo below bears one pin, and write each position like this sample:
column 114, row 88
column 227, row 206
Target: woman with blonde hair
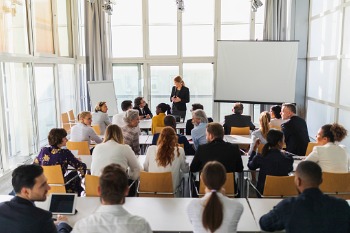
column 100, row 116
column 214, row 212
column 167, row 156
column 180, row 95
column 113, row 150
column 259, row 136
column 83, row 130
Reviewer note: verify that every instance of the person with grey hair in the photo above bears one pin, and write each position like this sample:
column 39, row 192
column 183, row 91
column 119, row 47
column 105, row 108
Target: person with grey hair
column 200, row 121
column 131, row 131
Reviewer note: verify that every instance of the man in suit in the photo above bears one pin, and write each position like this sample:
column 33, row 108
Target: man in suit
column 141, row 106
column 189, row 124
column 20, row 215
column 295, row 131
column 311, row 211
column 237, row 119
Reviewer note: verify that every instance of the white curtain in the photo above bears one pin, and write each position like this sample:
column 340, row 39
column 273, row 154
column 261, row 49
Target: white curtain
column 275, row 22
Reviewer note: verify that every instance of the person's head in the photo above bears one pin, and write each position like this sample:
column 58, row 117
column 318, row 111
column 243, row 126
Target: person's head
column 275, row 140
column 114, row 132
column 307, row 175
column 170, row 120
column 166, row 144
column 214, row 177
column 139, row 102
column 57, row 137
column 197, row 106
column 288, row 110
column 29, row 182
column 126, row 105
column 85, row 118
column 132, row 118
column 113, row 186
column 178, row 81
column 101, row 107
column 275, row 111
column 214, row 131
column 264, row 120
column 237, row 108
column 330, row 133
column 163, row 108
column 199, row 116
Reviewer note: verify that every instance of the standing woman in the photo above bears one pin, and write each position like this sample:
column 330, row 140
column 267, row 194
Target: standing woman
column 214, row 212
column 180, row 95
column 83, row 130
column 100, row 116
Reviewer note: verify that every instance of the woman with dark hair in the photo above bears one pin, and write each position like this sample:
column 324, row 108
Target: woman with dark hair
column 214, row 212
column 180, row 95
column 158, row 120
column 331, row 156
column 272, row 161
column 276, row 118
column 56, row 155
column 100, row 116
column 167, row 156
column 141, row 106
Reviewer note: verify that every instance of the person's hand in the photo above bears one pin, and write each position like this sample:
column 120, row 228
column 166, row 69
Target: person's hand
column 141, row 117
column 148, row 116
column 61, row 218
column 173, row 99
column 178, row 99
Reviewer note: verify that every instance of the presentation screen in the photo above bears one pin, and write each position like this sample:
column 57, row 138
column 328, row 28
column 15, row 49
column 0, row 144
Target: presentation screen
column 256, row 71
column 103, row 91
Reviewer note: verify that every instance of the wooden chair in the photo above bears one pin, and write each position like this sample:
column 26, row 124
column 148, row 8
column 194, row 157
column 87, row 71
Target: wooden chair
column 91, row 184
column 336, row 184
column 55, row 178
column 71, row 116
column 97, row 129
column 229, row 186
column 81, row 147
column 158, row 129
column 155, row 184
column 64, row 118
column 310, row 147
column 240, row 131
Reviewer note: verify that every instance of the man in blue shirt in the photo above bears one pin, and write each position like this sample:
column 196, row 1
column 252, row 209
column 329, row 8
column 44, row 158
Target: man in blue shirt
column 311, row 211
column 200, row 121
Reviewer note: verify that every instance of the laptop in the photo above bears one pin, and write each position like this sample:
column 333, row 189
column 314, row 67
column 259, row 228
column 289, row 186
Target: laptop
column 62, row 203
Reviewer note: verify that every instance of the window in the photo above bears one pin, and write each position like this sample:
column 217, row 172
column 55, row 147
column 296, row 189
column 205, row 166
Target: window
column 83, row 87
column 64, row 28
column 81, row 26
column 344, row 98
column 67, row 87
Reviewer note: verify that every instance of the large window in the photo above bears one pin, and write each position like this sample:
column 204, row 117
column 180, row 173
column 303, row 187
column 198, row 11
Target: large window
column 67, row 88
column 64, row 28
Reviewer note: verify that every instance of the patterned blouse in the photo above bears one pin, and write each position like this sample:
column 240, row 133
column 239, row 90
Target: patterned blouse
column 131, row 138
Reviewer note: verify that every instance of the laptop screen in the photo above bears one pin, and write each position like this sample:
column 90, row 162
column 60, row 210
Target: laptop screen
column 62, row 203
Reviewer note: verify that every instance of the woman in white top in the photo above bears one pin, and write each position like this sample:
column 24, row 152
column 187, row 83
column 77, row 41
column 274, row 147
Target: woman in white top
column 113, row 150
column 261, row 133
column 276, row 118
column 331, row 156
column 214, row 212
column 167, row 156
column 100, row 116
column 83, row 130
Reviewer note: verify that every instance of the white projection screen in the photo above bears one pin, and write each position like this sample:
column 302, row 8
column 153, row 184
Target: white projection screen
column 256, row 71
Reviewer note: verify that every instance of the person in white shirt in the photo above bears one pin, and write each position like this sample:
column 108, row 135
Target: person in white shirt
column 276, row 118
column 167, row 156
column 118, row 119
column 261, row 133
column 100, row 116
column 214, row 212
column 83, row 130
column 113, row 150
column 111, row 217
column 328, row 154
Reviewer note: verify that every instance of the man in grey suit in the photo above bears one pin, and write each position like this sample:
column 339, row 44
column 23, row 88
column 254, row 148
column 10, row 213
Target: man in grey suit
column 237, row 119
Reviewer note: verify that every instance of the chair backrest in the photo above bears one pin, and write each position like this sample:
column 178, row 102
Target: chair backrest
column 54, row 178
column 336, row 184
column 71, row 115
column 260, row 148
column 155, row 184
column 158, row 129
column 240, row 130
column 279, row 186
column 276, row 127
column 97, row 129
column 64, row 118
column 310, row 147
column 229, row 186
column 66, row 126
column 91, row 184
column 81, row 147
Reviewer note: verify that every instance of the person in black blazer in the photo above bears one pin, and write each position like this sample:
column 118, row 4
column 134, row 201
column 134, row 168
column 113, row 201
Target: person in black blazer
column 237, row 119
column 180, row 95
column 20, row 215
column 295, row 130
column 141, row 106
column 189, row 124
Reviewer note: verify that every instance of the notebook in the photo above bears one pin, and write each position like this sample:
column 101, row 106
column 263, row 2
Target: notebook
column 62, row 203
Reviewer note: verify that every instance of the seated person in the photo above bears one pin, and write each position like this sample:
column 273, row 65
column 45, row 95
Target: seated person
column 331, row 156
column 261, row 133
column 100, row 116
column 131, row 130
column 141, row 106
column 272, row 161
column 111, row 216
column 200, row 121
column 169, row 120
column 189, row 124
column 237, row 119
column 158, row 120
column 276, row 118
column 311, row 211
column 167, row 156
column 55, row 154
column 118, row 119
column 20, row 215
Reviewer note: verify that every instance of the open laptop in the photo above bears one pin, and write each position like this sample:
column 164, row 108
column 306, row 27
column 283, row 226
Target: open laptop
column 62, row 203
